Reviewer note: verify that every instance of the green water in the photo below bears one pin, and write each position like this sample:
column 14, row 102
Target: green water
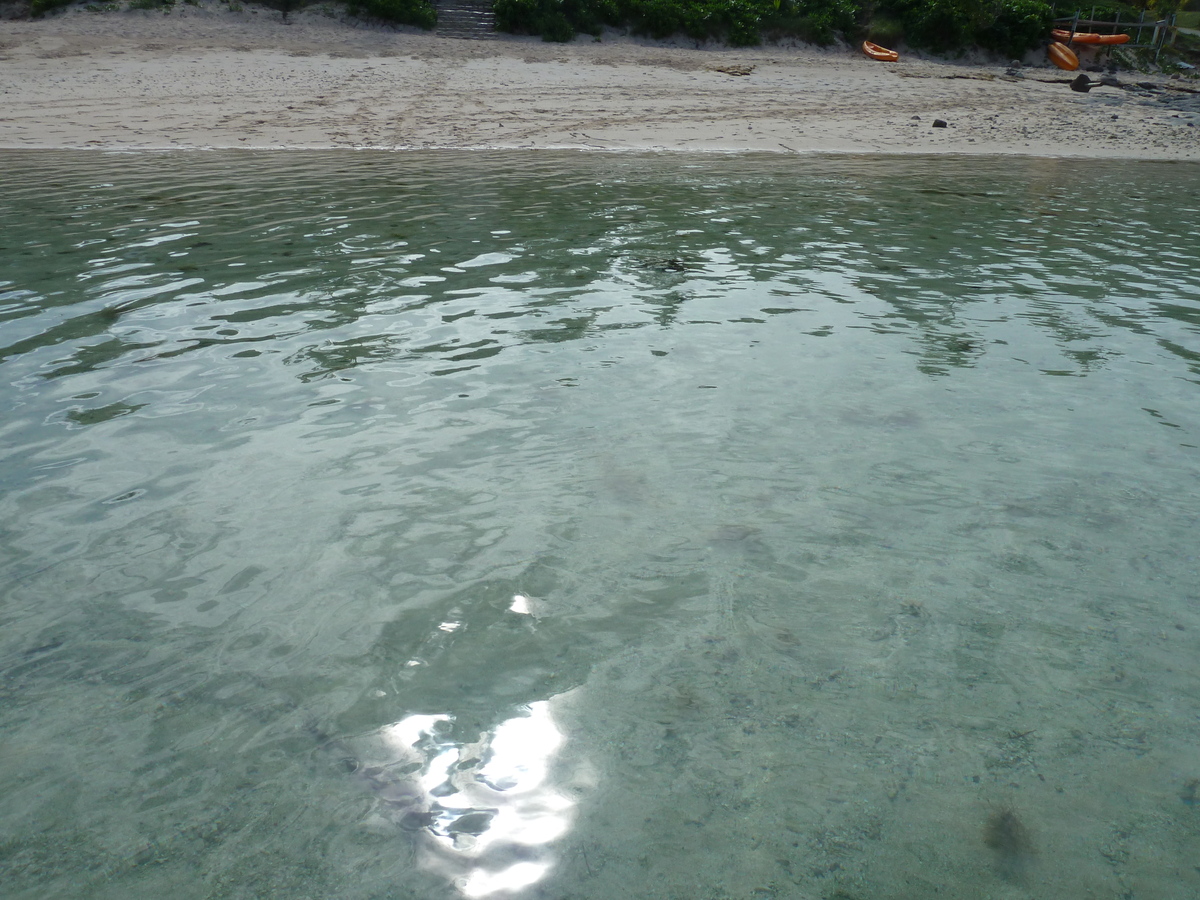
column 581, row 526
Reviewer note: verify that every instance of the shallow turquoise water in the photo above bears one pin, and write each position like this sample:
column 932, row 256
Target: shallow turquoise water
column 560, row 525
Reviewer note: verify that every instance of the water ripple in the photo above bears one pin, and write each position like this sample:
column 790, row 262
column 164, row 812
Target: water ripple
column 439, row 524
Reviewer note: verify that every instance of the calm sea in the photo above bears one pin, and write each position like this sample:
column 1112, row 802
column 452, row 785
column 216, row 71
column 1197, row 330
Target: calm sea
column 556, row 526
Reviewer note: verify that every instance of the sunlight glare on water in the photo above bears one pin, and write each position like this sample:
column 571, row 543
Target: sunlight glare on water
column 560, row 525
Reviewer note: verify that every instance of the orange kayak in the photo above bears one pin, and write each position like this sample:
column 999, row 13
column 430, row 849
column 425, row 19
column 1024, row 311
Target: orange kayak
column 881, row 53
column 1063, row 57
column 1088, row 37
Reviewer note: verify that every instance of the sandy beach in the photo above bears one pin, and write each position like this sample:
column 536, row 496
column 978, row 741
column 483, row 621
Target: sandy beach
column 207, row 76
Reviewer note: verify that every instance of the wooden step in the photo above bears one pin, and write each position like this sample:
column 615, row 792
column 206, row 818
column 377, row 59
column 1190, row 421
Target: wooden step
column 466, row 19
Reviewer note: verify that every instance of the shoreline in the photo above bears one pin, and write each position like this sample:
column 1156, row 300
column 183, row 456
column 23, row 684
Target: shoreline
column 203, row 77
column 615, row 151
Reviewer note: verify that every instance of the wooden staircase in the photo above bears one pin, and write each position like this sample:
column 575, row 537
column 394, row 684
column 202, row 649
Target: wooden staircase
column 470, row 20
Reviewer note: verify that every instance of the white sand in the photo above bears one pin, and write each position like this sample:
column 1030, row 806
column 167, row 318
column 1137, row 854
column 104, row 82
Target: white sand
column 206, row 77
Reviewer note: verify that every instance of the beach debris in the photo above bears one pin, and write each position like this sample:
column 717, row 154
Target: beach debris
column 940, row 123
column 733, row 70
column 1081, row 83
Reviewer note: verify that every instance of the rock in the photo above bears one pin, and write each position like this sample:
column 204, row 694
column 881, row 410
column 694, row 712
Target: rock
column 1082, row 84
column 916, row 119
column 1095, row 68
column 1110, row 81
column 940, row 123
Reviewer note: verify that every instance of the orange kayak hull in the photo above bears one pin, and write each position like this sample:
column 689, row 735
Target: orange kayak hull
column 1062, row 57
column 883, row 54
column 1088, row 37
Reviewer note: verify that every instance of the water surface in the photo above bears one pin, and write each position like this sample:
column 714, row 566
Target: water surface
column 559, row 525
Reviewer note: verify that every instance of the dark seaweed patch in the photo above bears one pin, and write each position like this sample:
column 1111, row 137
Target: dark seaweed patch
column 1006, row 835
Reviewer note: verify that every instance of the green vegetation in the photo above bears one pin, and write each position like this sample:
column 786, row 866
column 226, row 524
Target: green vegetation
column 1186, row 50
column 1017, row 26
column 402, row 12
column 739, row 22
column 39, row 8
column 1009, row 27
column 284, row 6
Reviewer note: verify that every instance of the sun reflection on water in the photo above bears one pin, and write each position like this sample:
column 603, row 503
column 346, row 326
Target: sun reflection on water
column 489, row 807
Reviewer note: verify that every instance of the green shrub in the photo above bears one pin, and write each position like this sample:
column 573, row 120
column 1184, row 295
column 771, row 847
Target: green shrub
column 742, row 23
column 739, row 22
column 1019, row 25
column 939, row 25
column 885, row 31
column 557, row 28
column 815, row 21
column 516, row 16
column 39, row 8
column 555, row 20
column 659, row 18
column 1008, row 27
column 943, row 25
column 286, row 7
column 548, row 18
column 1105, row 12
column 402, row 12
